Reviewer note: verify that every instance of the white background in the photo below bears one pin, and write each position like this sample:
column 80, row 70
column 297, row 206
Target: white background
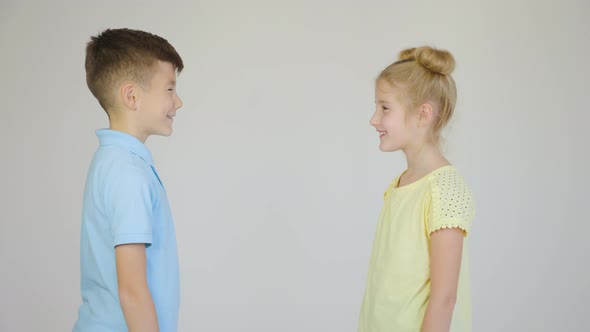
column 273, row 172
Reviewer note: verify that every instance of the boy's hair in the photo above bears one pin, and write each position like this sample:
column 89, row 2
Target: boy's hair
column 423, row 74
column 116, row 55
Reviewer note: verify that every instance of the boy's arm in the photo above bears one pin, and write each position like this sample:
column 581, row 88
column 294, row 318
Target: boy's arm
column 446, row 249
column 134, row 294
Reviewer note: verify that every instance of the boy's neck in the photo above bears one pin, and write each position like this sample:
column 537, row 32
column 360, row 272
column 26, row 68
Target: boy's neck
column 125, row 127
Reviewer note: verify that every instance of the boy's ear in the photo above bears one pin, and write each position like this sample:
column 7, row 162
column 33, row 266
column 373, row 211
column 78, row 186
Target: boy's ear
column 426, row 115
column 129, row 94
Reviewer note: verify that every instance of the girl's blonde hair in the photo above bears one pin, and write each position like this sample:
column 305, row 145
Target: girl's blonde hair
column 423, row 75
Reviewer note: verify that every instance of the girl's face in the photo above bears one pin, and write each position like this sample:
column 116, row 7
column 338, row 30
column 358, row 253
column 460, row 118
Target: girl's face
column 397, row 127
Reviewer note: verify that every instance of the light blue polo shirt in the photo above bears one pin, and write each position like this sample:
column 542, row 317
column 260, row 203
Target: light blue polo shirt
column 125, row 202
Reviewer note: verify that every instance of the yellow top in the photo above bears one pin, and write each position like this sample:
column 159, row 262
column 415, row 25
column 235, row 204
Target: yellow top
column 398, row 282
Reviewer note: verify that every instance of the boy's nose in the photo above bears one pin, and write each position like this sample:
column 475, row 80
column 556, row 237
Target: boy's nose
column 179, row 103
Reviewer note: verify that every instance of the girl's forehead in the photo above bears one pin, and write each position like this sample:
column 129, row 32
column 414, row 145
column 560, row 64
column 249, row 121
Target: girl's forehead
column 385, row 92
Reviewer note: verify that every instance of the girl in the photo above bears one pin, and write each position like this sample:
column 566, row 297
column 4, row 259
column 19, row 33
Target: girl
column 418, row 275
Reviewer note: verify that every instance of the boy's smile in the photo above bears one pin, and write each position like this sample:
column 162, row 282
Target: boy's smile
column 159, row 102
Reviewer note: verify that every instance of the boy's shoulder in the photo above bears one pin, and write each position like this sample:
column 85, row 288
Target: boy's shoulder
column 114, row 164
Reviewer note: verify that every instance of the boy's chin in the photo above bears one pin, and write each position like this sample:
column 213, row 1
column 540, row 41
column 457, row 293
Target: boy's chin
column 164, row 132
column 161, row 134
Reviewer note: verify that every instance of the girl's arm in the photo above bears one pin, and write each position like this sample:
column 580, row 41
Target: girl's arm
column 446, row 248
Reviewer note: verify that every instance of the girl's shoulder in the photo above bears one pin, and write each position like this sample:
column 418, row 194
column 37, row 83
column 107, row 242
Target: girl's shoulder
column 447, row 179
column 451, row 196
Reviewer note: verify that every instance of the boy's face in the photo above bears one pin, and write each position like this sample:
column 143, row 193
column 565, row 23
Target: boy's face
column 393, row 122
column 158, row 102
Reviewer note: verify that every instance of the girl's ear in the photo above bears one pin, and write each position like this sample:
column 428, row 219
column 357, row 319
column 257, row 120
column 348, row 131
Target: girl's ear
column 426, row 115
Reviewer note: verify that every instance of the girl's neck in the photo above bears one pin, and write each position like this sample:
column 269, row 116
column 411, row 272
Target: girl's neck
column 424, row 160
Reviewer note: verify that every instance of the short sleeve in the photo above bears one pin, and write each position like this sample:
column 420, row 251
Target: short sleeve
column 130, row 208
column 452, row 203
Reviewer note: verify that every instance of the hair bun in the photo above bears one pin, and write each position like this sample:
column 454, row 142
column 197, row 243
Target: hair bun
column 434, row 60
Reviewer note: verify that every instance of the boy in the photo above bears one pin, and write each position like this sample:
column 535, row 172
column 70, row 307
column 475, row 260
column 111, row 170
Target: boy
column 129, row 264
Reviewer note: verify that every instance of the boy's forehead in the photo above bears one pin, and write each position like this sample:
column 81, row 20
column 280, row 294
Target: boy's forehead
column 165, row 71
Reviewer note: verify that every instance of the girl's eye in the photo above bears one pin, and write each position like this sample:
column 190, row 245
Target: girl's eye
column 384, row 108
